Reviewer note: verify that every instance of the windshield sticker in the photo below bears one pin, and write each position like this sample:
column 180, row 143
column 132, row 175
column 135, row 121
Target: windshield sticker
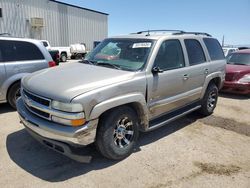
column 142, row 45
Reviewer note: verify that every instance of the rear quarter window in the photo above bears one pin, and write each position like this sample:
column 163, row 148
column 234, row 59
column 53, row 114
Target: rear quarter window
column 195, row 52
column 214, row 49
column 19, row 51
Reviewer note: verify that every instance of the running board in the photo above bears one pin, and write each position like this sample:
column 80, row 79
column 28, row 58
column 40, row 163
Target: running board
column 167, row 118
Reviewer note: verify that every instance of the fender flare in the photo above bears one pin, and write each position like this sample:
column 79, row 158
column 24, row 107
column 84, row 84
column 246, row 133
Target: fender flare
column 135, row 98
column 211, row 77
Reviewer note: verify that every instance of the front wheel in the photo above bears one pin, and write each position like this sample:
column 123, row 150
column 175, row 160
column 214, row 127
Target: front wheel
column 209, row 100
column 14, row 94
column 117, row 133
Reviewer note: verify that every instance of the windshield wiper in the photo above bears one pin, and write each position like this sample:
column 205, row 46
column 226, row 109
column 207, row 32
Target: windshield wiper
column 88, row 62
column 108, row 64
column 240, row 64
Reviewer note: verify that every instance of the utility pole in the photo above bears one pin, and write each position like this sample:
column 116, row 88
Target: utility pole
column 223, row 40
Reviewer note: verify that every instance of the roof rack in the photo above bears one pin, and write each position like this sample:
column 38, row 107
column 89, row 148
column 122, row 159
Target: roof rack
column 195, row 33
column 173, row 32
column 159, row 31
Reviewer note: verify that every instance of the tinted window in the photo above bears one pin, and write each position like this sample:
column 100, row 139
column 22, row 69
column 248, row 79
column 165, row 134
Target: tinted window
column 195, row 52
column 214, row 49
column 170, row 55
column 1, row 14
column 19, row 51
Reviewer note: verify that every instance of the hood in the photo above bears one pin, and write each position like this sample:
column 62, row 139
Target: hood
column 67, row 81
column 237, row 68
column 235, row 72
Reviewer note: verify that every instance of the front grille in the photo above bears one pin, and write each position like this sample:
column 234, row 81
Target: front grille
column 36, row 104
column 40, row 100
column 39, row 112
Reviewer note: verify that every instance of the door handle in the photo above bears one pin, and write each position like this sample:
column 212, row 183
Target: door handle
column 206, row 71
column 185, row 77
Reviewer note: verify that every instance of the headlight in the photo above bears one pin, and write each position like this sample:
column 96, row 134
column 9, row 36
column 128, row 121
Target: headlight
column 67, row 107
column 245, row 79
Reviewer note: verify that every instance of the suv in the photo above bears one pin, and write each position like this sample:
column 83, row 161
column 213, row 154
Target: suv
column 18, row 57
column 127, row 84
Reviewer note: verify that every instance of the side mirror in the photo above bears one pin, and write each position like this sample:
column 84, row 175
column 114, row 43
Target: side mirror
column 156, row 70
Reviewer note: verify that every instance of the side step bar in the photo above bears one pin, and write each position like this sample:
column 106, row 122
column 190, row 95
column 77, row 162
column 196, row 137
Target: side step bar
column 60, row 148
column 164, row 119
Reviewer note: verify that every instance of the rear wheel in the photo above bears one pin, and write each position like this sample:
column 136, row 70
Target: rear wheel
column 209, row 100
column 14, row 94
column 117, row 133
column 63, row 57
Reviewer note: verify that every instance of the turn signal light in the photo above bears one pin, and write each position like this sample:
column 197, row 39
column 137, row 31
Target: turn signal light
column 77, row 122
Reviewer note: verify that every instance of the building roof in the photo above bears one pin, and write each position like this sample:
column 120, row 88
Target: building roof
column 78, row 7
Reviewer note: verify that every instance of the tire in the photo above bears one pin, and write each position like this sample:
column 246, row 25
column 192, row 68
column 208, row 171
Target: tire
column 209, row 100
column 13, row 94
column 112, row 140
column 63, row 57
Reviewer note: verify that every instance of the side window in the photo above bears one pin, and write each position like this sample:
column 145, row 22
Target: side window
column 195, row 52
column 1, row 59
column 170, row 55
column 214, row 49
column 19, row 51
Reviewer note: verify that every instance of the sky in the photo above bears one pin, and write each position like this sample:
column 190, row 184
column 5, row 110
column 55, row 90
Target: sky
column 230, row 18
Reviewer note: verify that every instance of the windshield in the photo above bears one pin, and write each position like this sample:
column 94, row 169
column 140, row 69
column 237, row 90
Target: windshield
column 127, row 54
column 239, row 59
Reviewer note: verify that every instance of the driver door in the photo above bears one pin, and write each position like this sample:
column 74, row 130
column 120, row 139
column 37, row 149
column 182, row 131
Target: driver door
column 167, row 88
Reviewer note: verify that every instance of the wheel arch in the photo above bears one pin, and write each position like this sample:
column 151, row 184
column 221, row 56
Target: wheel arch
column 215, row 78
column 135, row 101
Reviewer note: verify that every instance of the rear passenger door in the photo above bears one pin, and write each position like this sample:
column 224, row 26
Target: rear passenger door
column 21, row 57
column 198, row 69
column 2, row 75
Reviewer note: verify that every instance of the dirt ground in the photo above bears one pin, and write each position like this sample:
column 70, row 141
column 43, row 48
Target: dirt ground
column 191, row 152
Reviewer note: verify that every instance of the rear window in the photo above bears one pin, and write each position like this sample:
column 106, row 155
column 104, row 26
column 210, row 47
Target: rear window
column 214, row 49
column 195, row 52
column 19, row 51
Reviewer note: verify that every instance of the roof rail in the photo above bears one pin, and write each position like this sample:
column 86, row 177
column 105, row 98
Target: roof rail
column 159, row 31
column 195, row 33
column 173, row 32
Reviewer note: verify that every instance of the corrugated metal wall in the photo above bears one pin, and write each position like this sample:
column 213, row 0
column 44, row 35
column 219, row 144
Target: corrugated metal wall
column 64, row 25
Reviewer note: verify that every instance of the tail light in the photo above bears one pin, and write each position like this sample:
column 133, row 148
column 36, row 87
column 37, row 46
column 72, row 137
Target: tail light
column 52, row 64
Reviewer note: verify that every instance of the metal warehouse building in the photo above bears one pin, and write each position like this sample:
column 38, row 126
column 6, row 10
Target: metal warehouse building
column 60, row 23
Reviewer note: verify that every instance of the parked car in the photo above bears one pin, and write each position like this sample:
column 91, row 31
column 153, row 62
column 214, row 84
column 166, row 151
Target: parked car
column 64, row 52
column 18, row 58
column 238, row 73
column 229, row 50
column 150, row 79
column 55, row 56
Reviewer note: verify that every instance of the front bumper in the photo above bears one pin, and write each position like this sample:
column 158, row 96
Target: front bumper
column 236, row 87
column 81, row 136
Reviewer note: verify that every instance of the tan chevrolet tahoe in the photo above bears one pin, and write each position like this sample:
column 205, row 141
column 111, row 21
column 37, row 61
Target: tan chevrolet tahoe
column 127, row 84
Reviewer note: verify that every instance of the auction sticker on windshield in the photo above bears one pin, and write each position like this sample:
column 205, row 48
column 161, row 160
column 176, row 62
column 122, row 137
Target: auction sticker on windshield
column 142, row 45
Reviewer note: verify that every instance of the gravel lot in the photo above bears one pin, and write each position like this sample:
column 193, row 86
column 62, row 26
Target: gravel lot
column 191, row 152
